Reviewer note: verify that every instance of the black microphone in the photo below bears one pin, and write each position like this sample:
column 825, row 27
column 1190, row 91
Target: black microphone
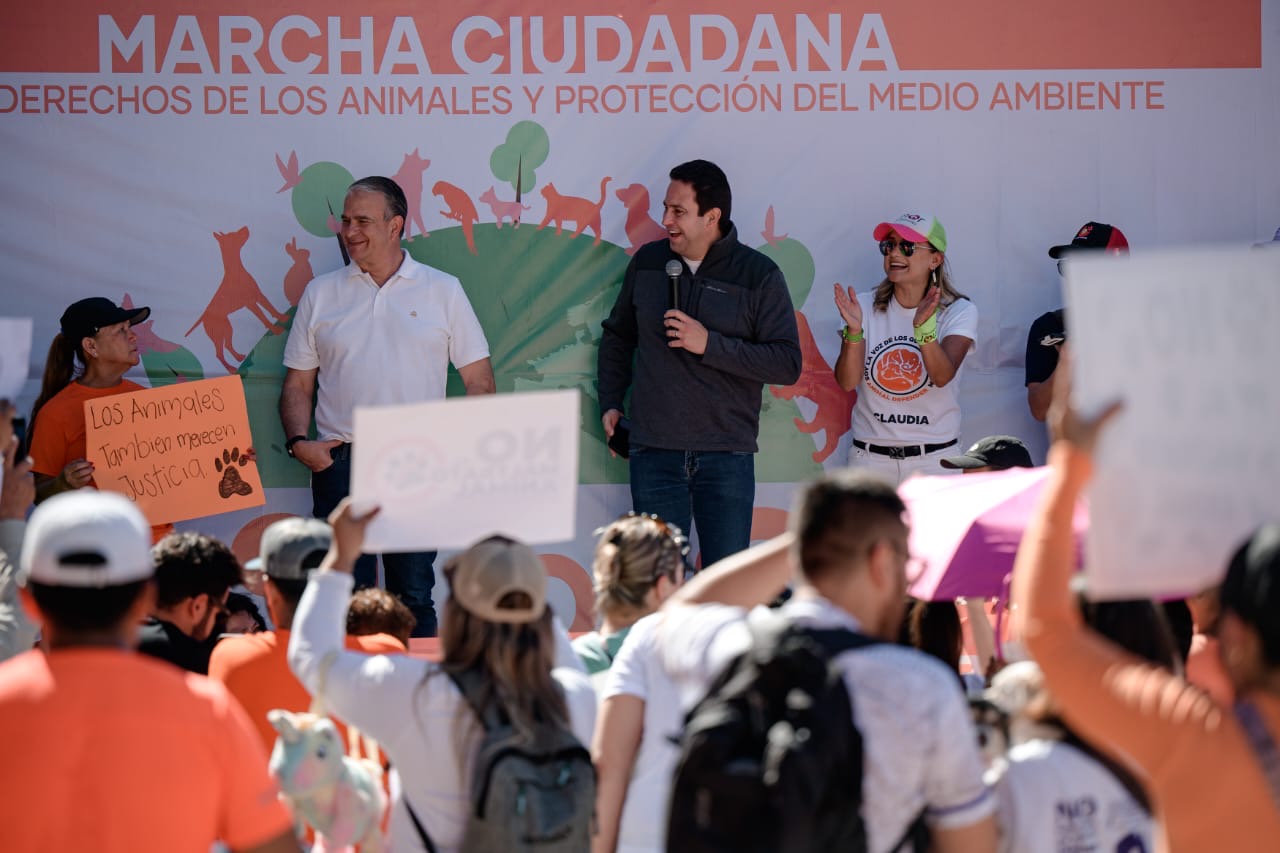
column 674, row 268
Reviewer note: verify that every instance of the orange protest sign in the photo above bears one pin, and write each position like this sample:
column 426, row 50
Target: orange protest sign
column 178, row 452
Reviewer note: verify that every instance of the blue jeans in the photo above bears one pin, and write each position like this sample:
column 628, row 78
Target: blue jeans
column 716, row 490
column 410, row 575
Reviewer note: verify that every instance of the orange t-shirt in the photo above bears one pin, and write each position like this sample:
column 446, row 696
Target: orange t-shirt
column 1207, row 786
column 58, row 436
column 255, row 668
column 117, row 753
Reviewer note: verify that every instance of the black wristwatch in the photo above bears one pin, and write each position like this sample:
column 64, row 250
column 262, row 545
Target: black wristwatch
column 288, row 445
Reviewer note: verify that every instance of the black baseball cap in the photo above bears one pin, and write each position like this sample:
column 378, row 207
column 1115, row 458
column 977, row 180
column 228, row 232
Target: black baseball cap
column 1094, row 235
column 994, row 451
column 84, row 318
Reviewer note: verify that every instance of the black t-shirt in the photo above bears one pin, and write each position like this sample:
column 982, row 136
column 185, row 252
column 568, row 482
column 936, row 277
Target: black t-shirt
column 165, row 641
column 1042, row 351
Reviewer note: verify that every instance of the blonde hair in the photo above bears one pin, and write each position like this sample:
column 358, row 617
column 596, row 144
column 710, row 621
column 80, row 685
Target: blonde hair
column 633, row 552
column 884, row 290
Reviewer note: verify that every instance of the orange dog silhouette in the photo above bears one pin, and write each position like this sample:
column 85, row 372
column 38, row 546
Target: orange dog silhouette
column 461, row 209
column 571, row 208
column 237, row 290
column 817, row 383
column 410, row 180
column 295, row 280
column 641, row 227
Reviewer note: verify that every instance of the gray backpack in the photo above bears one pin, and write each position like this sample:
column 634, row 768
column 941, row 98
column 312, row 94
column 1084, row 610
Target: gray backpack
column 530, row 791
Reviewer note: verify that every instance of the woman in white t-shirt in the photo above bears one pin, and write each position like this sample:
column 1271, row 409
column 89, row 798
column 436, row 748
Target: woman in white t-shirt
column 639, row 563
column 496, row 623
column 902, row 348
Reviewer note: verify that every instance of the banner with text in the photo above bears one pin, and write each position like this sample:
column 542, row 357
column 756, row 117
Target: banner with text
column 194, row 159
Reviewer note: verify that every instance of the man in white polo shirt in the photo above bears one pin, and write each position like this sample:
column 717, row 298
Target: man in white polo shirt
column 380, row 331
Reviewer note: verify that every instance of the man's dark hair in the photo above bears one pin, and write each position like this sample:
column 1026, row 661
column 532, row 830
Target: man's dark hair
column 1251, row 589
column 710, row 188
column 190, row 564
column 839, row 517
column 376, row 611
column 397, row 205
column 82, row 609
column 239, row 603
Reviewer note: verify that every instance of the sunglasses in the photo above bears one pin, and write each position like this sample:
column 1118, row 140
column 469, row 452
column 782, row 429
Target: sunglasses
column 907, row 249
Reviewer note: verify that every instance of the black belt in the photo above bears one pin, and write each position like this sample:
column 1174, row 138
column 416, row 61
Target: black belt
column 903, row 452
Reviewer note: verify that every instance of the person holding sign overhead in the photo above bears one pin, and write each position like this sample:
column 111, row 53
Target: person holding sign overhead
column 902, row 347
column 380, row 331
column 89, row 357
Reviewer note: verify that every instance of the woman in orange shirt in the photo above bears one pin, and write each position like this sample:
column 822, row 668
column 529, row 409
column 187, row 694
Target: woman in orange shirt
column 88, row 359
column 1200, row 761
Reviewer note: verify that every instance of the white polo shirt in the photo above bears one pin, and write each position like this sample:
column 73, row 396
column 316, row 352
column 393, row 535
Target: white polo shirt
column 919, row 748
column 381, row 345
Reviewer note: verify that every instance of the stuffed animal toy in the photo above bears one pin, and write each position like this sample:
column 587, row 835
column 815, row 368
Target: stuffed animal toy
column 340, row 796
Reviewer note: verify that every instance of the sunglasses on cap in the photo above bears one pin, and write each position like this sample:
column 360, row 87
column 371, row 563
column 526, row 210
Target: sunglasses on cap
column 907, row 249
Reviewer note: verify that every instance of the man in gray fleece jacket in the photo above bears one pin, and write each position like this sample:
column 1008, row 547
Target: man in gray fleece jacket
column 697, row 368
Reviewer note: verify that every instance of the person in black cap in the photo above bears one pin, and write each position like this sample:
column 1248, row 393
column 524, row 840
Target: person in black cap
column 88, row 358
column 1049, row 331
column 993, row 453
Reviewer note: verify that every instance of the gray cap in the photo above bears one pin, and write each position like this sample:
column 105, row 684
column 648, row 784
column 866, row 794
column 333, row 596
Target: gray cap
column 287, row 544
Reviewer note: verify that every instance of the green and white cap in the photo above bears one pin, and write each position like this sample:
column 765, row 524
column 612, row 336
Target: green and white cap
column 916, row 227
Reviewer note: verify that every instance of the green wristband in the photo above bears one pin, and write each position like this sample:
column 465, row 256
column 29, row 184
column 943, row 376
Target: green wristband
column 927, row 332
column 852, row 338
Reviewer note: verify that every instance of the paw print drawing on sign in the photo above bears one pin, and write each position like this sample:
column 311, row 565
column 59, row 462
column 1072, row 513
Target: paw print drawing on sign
column 231, row 483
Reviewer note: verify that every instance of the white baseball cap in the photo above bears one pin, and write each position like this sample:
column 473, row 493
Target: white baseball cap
column 86, row 538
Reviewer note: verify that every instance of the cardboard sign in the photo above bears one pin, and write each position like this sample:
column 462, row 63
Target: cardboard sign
column 450, row 472
column 1188, row 469
column 178, row 452
column 15, row 354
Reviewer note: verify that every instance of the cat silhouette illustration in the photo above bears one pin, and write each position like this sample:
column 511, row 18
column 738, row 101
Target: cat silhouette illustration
column 295, row 280
column 502, row 209
column 237, row 290
column 460, row 209
column 569, row 208
column 817, row 383
column 641, row 228
column 409, row 177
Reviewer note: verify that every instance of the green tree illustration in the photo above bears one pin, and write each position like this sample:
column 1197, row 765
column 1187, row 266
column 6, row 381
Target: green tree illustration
column 516, row 160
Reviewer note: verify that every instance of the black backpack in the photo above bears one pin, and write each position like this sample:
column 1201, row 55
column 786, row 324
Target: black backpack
column 770, row 759
column 529, row 791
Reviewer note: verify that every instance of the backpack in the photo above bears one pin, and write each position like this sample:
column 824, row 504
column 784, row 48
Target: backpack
column 529, row 790
column 770, row 759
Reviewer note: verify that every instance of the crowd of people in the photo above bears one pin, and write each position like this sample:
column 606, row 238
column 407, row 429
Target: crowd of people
column 788, row 696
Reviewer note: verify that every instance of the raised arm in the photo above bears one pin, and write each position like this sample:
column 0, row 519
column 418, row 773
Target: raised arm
column 1111, row 697
column 851, row 363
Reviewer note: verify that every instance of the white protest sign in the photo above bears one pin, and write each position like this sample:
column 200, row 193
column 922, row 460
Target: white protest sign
column 1191, row 466
column 15, row 354
column 449, row 472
